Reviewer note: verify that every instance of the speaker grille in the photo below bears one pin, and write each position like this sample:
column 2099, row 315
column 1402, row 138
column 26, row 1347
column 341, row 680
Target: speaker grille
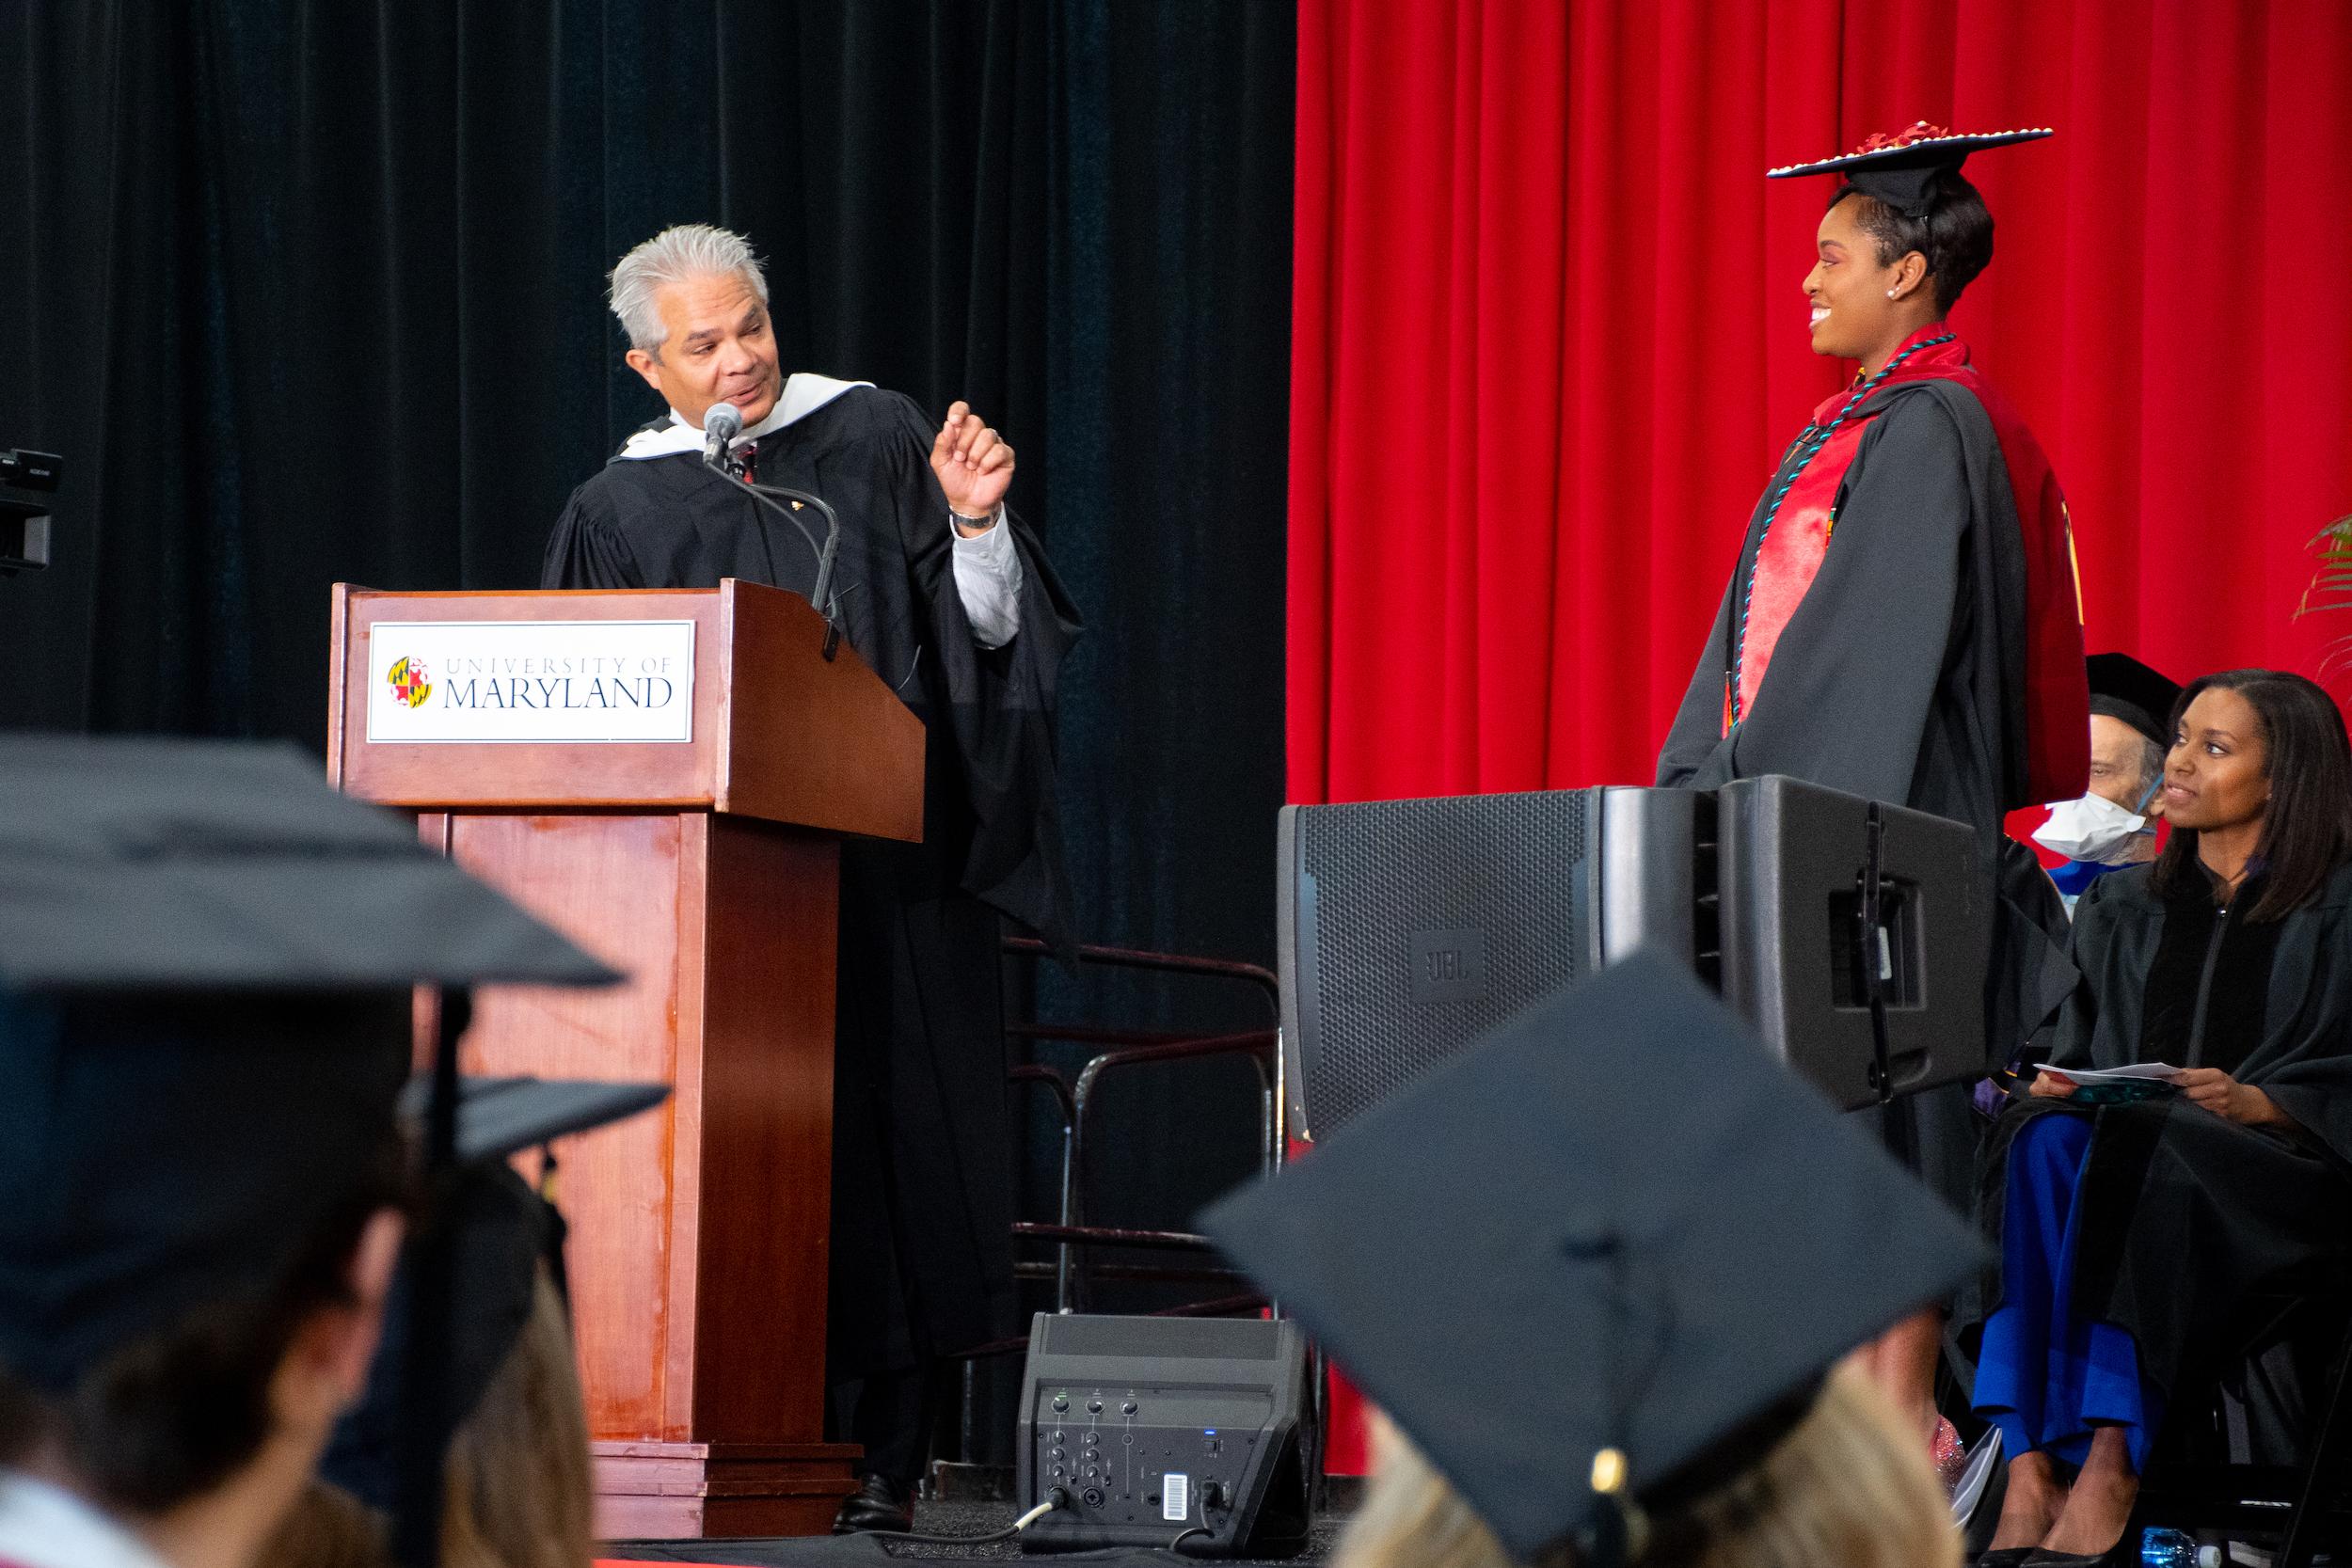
column 1206, row 1339
column 1410, row 894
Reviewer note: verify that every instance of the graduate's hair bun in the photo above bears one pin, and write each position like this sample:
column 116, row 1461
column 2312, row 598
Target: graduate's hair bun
column 1954, row 234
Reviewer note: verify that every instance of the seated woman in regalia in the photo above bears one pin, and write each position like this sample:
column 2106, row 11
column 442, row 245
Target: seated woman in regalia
column 2135, row 1218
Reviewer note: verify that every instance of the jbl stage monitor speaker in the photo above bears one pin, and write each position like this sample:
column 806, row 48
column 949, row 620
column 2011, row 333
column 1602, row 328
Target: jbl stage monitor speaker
column 1789, row 856
column 1409, row 929
column 1156, row 1428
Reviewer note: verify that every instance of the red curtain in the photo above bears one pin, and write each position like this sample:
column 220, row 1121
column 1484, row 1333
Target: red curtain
column 1547, row 340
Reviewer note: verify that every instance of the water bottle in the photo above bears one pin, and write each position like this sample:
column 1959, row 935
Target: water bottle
column 2167, row 1548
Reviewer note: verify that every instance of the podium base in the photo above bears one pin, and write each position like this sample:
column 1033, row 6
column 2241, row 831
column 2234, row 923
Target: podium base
column 688, row 1491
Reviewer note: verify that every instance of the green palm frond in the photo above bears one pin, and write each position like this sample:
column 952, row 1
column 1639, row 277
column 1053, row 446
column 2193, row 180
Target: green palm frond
column 2330, row 587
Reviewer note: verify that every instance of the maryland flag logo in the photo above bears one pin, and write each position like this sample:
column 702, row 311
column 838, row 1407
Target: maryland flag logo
column 410, row 681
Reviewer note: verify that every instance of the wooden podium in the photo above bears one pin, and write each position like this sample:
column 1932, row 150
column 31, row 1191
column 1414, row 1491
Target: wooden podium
column 706, row 868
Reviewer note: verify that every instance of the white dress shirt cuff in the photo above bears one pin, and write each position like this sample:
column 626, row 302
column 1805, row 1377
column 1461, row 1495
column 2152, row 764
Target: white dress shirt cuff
column 987, row 581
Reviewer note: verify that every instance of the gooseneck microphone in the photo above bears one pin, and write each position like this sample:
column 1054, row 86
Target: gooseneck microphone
column 721, row 423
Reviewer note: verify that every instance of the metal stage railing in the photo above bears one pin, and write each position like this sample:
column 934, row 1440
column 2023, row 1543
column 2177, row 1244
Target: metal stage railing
column 1071, row 1234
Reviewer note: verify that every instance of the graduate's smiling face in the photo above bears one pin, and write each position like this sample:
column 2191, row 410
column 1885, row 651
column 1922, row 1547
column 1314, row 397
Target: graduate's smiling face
column 716, row 347
column 1860, row 305
column 2218, row 772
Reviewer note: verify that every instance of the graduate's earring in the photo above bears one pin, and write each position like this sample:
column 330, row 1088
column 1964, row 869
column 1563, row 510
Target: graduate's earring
column 1890, row 294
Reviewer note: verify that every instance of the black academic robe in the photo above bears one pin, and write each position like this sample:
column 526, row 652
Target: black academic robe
column 2185, row 1212
column 923, row 1168
column 1899, row 677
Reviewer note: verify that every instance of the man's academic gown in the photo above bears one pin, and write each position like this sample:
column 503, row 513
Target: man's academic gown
column 2182, row 1212
column 1928, row 652
column 923, row 1169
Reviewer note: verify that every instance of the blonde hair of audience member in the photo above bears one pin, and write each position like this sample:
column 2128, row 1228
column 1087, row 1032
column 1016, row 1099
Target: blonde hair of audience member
column 327, row 1528
column 1849, row 1485
column 518, row 1491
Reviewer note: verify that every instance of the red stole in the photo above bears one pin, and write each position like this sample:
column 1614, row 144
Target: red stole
column 1790, row 555
column 2057, row 713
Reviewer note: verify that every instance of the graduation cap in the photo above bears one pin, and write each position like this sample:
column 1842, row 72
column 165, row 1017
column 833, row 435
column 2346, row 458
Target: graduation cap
column 163, row 1154
column 1591, row 1256
column 207, row 964
column 498, row 1233
column 224, row 865
column 498, row 1117
column 1901, row 170
column 2123, row 688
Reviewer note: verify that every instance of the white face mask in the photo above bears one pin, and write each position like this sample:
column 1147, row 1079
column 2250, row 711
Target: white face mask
column 2092, row 828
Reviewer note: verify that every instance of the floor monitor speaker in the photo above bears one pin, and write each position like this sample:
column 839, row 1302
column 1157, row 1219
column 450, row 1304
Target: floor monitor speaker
column 1165, row 1431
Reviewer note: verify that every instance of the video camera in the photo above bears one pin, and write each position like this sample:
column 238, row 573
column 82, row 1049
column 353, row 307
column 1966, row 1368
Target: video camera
column 23, row 517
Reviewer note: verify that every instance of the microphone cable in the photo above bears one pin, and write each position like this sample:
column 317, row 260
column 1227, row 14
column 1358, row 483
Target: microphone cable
column 766, row 497
column 1053, row 1500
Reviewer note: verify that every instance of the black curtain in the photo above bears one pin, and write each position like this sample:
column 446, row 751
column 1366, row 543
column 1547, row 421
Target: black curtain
column 309, row 291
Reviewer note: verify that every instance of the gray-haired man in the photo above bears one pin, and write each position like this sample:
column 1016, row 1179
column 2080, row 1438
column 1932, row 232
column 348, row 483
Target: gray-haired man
column 951, row 599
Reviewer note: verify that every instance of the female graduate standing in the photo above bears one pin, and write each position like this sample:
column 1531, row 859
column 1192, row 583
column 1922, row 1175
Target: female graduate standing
column 2132, row 1233
column 1903, row 623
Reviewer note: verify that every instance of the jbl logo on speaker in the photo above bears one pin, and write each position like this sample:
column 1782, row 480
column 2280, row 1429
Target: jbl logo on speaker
column 1449, row 966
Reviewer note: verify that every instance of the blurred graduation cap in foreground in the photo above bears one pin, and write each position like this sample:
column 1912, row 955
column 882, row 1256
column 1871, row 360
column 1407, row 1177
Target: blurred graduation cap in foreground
column 500, row 1233
column 136, row 865
column 498, row 1117
column 1608, row 1241
column 207, row 964
column 1901, row 170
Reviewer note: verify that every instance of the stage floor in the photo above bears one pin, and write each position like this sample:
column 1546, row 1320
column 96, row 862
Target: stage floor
column 931, row 1518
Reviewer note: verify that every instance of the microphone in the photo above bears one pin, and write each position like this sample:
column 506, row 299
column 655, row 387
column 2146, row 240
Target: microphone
column 721, row 423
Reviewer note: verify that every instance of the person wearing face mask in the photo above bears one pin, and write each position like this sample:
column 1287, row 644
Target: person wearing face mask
column 2133, row 1231
column 2114, row 824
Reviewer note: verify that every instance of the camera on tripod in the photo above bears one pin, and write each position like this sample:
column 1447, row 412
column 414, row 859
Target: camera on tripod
column 24, row 515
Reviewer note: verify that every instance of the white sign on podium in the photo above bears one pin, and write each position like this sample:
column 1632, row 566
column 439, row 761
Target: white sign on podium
column 509, row 682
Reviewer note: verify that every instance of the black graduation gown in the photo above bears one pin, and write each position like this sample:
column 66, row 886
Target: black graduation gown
column 2186, row 1212
column 1899, row 677
column 923, row 1169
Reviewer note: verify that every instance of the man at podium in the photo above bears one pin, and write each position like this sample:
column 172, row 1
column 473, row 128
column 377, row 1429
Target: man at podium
column 951, row 599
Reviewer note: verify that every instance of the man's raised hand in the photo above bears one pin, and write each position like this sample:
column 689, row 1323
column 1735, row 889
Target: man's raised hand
column 973, row 463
